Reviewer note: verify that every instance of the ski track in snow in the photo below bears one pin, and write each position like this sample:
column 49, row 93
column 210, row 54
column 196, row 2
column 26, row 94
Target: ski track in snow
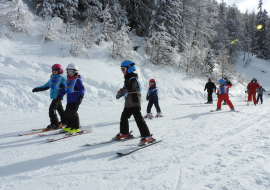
column 200, row 149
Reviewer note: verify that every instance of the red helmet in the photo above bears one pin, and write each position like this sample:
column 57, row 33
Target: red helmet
column 152, row 81
column 59, row 67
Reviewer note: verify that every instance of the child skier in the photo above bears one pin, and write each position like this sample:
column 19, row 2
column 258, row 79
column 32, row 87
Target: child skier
column 260, row 94
column 152, row 97
column 132, row 94
column 252, row 88
column 223, row 94
column 75, row 93
column 55, row 83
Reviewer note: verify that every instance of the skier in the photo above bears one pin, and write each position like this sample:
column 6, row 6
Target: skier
column 210, row 86
column 223, row 94
column 75, row 93
column 229, row 83
column 132, row 94
column 260, row 94
column 152, row 97
column 252, row 88
column 55, row 83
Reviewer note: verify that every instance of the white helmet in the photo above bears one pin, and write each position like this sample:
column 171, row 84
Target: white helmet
column 72, row 66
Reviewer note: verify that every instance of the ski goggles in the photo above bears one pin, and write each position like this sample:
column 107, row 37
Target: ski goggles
column 151, row 83
column 123, row 69
column 55, row 69
column 69, row 71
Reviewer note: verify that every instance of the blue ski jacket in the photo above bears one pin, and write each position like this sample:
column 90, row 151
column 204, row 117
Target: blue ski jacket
column 73, row 91
column 55, row 83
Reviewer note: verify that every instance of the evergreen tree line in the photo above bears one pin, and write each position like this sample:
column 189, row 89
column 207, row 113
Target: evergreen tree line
column 207, row 35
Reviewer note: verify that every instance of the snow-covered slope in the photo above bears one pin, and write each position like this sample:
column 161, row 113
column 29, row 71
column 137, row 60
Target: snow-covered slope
column 200, row 149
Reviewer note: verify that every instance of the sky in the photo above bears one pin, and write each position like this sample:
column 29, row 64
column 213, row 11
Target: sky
column 251, row 5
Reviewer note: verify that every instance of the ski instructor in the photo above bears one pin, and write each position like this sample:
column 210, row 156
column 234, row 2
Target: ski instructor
column 210, row 86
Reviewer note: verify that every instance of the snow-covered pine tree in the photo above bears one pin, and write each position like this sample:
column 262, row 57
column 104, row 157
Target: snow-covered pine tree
column 90, row 9
column 159, row 48
column 139, row 14
column 261, row 48
column 253, row 29
column 233, row 25
column 88, row 36
column 118, row 13
column 18, row 17
column 108, row 26
column 210, row 61
column 52, row 29
column 121, row 47
column 169, row 13
column 246, row 36
column 202, row 30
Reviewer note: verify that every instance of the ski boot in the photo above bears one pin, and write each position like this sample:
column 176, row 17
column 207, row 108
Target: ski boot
column 64, row 130
column 146, row 140
column 51, row 127
column 224, row 103
column 123, row 136
column 218, row 109
column 74, row 131
column 232, row 109
column 159, row 114
column 64, row 124
column 148, row 115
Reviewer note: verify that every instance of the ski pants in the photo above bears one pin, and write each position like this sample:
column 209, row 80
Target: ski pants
column 150, row 104
column 56, row 105
column 226, row 98
column 253, row 94
column 260, row 97
column 136, row 112
column 209, row 97
column 72, row 116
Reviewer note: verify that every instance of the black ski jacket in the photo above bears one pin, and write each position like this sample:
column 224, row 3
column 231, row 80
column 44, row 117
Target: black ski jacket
column 210, row 86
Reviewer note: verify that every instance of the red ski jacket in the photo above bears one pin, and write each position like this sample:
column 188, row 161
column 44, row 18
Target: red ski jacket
column 252, row 87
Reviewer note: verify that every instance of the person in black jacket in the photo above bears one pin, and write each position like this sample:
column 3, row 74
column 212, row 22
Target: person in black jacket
column 210, row 86
column 131, row 92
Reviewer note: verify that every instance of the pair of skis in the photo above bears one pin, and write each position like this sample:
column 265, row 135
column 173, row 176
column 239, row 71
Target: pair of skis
column 121, row 140
column 42, row 130
column 221, row 110
column 85, row 131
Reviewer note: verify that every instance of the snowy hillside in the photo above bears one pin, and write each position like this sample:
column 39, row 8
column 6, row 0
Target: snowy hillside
column 200, row 149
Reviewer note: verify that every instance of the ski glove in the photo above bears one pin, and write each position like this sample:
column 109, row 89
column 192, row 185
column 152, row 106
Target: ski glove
column 147, row 98
column 34, row 90
column 79, row 100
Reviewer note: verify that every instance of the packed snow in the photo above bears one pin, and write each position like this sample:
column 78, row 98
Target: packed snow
column 200, row 149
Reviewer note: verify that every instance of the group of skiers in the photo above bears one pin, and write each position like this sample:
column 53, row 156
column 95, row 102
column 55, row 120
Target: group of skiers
column 72, row 85
column 223, row 90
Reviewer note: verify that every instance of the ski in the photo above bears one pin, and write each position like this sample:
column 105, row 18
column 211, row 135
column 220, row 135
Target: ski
column 58, row 133
column 60, row 127
column 131, row 151
column 67, row 136
column 107, row 142
column 221, row 110
column 214, row 110
column 43, row 131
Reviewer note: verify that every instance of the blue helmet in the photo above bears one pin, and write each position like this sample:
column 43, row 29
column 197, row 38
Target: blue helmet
column 221, row 81
column 129, row 65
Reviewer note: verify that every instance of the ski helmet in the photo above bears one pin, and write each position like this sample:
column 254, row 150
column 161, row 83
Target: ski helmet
column 129, row 65
column 152, row 81
column 72, row 66
column 59, row 67
column 221, row 81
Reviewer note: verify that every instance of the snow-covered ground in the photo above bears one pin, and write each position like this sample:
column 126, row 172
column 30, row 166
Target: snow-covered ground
column 200, row 150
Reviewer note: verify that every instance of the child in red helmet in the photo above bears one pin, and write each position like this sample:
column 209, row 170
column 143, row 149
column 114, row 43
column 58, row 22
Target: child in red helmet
column 152, row 97
column 223, row 94
column 55, row 83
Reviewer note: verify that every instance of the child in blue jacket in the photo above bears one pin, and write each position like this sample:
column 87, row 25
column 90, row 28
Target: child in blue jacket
column 56, row 82
column 152, row 97
column 75, row 93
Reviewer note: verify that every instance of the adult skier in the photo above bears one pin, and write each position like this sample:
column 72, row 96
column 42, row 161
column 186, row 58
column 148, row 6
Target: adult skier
column 132, row 94
column 152, row 98
column 55, row 83
column 75, row 93
column 260, row 94
column 210, row 86
column 223, row 94
column 252, row 88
